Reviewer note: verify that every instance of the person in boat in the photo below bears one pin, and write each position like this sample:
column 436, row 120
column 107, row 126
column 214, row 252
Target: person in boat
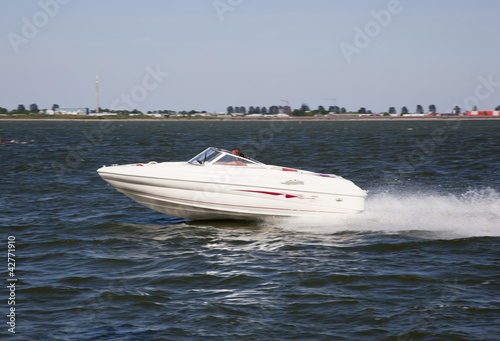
column 237, row 152
column 237, row 161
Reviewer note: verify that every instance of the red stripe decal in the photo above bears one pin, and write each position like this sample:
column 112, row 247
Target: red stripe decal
column 288, row 196
column 226, row 205
column 262, row 192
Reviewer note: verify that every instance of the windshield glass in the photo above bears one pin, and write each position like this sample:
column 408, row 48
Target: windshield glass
column 205, row 156
column 215, row 156
column 233, row 160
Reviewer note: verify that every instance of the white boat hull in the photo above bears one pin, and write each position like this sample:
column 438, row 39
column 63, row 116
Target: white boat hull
column 224, row 192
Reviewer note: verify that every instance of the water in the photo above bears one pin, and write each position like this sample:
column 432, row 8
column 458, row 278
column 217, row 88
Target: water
column 422, row 263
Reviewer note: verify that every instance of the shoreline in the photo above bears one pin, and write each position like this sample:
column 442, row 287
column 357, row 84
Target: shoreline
column 259, row 119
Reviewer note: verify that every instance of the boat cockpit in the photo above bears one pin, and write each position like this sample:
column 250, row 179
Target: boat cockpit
column 221, row 157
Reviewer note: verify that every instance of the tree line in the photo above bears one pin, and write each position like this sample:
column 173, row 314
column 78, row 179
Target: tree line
column 21, row 109
column 304, row 110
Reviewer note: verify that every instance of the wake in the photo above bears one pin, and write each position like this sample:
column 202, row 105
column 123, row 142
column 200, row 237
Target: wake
column 475, row 213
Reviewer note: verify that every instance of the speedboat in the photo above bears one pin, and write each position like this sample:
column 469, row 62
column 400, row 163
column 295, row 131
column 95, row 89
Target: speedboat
column 215, row 184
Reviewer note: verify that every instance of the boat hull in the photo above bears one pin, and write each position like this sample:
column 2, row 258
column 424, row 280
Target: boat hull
column 220, row 192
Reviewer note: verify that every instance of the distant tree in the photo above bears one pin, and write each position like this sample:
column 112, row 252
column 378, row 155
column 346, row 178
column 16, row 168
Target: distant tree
column 251, row 110
column 474, row 108
column 392, row 110
column 298, row 112
column 230, row 109
column 34, row 108
column 420, row 109
column 497, row 108
column 243, row 110
column 432, row 109
column 362, row 110
column 404, row 110
column 3, row 110
column 273, row 110
column 21, row 108
column 321, row 109
column 55, row 106
column 457, row 110
column 336, row 109
column 304, row 107
column 263, row 110
column 343, row 110
column 257, row 110
column 331, row 108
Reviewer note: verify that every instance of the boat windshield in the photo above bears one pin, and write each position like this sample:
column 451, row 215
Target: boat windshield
column 205, row 156
column 221, row 157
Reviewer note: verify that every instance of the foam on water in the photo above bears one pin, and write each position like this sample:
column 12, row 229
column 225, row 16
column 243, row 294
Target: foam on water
column 475, row 213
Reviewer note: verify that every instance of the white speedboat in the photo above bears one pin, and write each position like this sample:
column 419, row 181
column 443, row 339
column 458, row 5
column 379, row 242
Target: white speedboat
column 216, row 184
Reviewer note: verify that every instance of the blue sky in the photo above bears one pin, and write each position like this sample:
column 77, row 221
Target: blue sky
column 209, row 54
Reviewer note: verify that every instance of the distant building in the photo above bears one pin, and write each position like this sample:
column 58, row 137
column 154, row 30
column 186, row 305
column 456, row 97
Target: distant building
column 71, row 111
column 483, row 113
column 103, row 114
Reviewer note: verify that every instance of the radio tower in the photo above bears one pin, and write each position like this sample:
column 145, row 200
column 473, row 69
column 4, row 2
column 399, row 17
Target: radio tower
column 97, row 94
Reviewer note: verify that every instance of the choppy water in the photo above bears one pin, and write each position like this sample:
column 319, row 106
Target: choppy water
column 422, row 263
